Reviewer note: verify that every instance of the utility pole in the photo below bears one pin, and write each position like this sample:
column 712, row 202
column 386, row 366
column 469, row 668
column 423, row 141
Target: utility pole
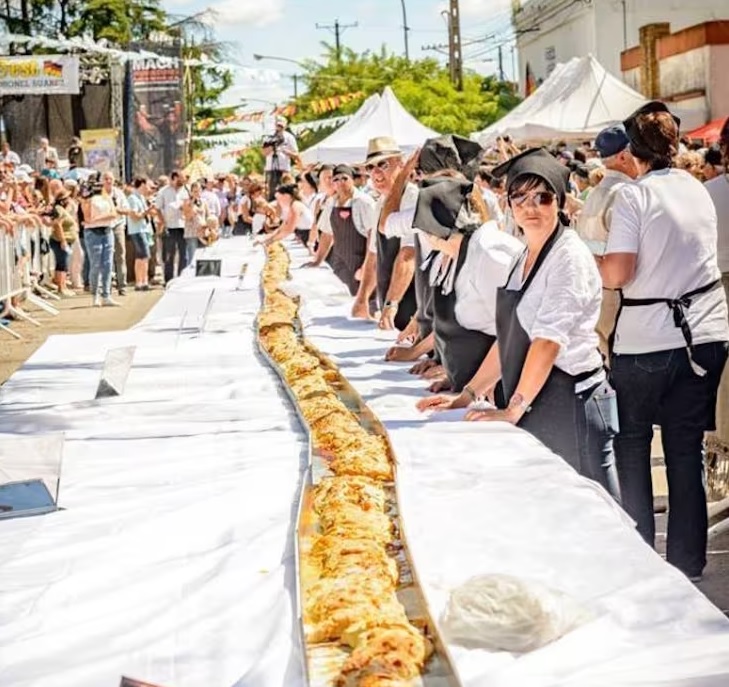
column 501, row 63
column 455, row 57
column 338, row 29
column 405, row 29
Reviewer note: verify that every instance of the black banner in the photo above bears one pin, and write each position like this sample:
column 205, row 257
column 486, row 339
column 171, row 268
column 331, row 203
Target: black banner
column 157, row 112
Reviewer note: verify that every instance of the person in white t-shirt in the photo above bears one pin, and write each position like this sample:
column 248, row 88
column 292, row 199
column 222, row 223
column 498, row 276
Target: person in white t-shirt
column 671, row 337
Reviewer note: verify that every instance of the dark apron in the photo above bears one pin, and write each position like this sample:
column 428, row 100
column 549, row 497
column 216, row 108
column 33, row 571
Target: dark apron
column 423, row 294
column 678, row 306
column 461, row 351
column 387, row 252
column 350, row 247
column 553, row 415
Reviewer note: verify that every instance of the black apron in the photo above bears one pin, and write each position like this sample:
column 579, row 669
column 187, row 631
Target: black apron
column 678, row 306
column 423, row 294
column 387, row 252
column 461, row 351
column 350, row 247
column 553, row 415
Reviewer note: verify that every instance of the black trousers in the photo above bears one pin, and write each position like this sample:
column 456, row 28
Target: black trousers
column 661, row 388
column 174, row 244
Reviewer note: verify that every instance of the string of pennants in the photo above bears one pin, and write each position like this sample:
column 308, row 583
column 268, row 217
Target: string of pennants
column 317, row 106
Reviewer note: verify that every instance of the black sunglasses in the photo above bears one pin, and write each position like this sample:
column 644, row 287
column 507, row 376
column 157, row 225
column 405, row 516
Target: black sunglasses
column 543, row 198
column 383, row 166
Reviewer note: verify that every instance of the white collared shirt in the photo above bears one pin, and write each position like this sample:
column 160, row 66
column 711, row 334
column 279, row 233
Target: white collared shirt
column 562, row 304
column 399, row 224
column 489, row 258
column 169, row 202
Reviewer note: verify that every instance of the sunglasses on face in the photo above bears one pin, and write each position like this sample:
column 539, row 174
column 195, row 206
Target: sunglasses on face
column 382, row 166
column 336, row 180
column 535, row 198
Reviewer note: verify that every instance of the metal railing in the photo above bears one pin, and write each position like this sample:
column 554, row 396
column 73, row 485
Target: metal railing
column 21, row 268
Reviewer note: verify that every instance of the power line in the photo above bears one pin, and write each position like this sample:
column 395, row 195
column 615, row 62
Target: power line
column 337, row 29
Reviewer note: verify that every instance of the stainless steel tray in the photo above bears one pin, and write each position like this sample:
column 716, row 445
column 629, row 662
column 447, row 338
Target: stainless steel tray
column 323, row 661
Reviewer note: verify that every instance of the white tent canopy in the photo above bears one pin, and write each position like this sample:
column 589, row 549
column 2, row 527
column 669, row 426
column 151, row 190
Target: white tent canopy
column 577, row 100
column 378, row 116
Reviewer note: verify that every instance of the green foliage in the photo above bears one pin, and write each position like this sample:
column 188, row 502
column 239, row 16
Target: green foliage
column 423, row 87
column 251, row 161
column 119, row 21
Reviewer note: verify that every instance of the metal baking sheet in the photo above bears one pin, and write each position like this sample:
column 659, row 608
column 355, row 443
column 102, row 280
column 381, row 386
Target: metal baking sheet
column 324, row 661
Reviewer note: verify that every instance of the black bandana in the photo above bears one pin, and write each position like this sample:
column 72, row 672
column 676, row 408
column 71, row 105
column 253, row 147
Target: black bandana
column 439, row 204
column 537, row 162
column 451, row 152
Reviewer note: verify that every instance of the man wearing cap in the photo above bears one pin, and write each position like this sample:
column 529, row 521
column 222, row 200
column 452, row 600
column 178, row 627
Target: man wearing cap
column 351, row 219
column 593, row 222
column 278, row 156
column 395, row 266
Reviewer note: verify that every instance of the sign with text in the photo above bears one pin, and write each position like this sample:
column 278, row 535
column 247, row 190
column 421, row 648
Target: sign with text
column 158, row 114
column 39, row 75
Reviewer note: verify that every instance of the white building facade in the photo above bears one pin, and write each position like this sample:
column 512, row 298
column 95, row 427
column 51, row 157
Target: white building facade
column 553, row 31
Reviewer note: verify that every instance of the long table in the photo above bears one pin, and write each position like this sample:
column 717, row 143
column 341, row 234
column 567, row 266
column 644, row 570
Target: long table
column 172, row 560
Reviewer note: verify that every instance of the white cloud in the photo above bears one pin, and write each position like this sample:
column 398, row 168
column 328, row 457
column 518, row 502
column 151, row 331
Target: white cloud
column 481, row 9
column 250, row 12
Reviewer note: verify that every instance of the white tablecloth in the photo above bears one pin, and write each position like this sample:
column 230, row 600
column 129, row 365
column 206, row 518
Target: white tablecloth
column 172, row 559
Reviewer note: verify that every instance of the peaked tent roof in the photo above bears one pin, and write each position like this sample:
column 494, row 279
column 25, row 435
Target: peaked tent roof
column 384, row 116
column 578, row 100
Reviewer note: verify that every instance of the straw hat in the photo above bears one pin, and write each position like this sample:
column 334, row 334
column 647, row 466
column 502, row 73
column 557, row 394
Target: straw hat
column 380, row 148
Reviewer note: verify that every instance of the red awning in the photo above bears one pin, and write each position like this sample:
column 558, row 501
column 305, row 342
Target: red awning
column 709, row 133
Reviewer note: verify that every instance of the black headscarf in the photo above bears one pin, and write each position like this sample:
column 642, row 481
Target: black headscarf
column 537, row 162
column 439, row 203
column 451, row 152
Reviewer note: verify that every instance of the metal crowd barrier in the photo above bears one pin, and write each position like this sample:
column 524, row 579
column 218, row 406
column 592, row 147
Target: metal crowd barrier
column 21, row 265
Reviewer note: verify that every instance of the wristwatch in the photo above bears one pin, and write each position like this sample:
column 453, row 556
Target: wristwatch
column 392, row 304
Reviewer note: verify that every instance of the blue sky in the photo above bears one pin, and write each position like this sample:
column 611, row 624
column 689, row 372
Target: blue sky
column 287, row 28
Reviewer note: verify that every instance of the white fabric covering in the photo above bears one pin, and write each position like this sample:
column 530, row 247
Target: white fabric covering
column 382, row 117
column 480, row 498
column 576, row 101
column 173, row 559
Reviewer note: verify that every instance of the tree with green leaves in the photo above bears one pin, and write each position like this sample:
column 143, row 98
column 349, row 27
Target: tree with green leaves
column 422, row 86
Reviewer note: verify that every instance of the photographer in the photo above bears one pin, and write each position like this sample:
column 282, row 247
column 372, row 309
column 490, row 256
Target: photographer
column 100, row 215
column 279, row 149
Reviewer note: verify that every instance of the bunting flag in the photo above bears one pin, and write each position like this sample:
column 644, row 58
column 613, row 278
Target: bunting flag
column 318, row 107
column 530, row 83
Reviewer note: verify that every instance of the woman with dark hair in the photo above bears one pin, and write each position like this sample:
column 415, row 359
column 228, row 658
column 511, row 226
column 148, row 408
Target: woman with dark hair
column 670, row 341
column 294, row 214
column 550, row 373
column 308, row 184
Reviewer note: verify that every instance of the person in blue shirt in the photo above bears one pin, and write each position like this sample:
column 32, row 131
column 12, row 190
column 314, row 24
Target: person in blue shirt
column 139, row 230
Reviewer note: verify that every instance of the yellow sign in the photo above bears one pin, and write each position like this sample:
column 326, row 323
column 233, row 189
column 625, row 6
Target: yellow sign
column 100, row 148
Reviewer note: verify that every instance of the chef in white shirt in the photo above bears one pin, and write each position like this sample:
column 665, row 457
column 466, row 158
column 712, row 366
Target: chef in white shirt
column 551, row 377
column 670, row 343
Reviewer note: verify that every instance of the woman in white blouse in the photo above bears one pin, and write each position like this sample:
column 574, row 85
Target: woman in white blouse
column 550, row 374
